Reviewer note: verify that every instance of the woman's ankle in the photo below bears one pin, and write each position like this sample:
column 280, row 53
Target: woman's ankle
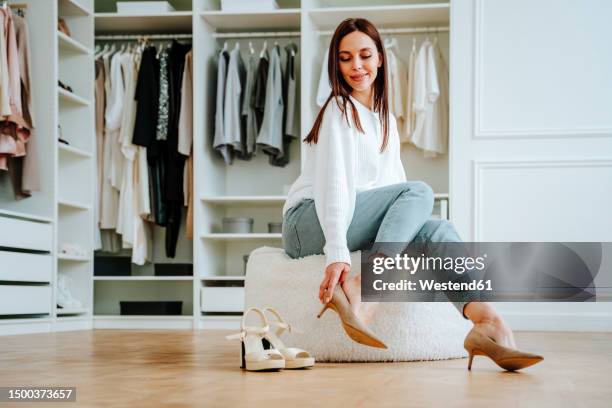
column 482, row 312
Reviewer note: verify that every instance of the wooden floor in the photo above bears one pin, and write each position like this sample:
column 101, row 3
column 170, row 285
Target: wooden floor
column 184, row 368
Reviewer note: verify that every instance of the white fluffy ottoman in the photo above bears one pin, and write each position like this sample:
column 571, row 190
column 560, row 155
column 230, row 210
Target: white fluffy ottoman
column 411, row 331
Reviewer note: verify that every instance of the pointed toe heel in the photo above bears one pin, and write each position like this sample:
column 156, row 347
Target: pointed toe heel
column 477, row 344
column 353, row 327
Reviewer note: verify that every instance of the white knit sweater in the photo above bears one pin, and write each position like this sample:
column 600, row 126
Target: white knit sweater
column 343, row 162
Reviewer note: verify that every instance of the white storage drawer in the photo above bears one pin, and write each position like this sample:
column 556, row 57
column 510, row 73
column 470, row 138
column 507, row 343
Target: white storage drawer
column 17, row 299
column 17, row 233
column 19, row 266
column 222, row 299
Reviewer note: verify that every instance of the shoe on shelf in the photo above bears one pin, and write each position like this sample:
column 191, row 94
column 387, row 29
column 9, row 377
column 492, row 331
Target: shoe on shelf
column 253, row 356
column 478, row 344
column 354, row 328
column 294, row 357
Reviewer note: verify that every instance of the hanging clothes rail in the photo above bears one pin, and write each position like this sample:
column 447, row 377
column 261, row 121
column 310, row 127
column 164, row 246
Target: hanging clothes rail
column 406, row 30
column 143, row 36
column 258, row 34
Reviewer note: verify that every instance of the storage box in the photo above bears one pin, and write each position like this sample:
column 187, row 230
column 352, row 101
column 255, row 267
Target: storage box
column 144, row 7
column 173, row 269
column 222, row 299
column 248, row 5
column 112, row 266
column 237, row 225
column 158, row 308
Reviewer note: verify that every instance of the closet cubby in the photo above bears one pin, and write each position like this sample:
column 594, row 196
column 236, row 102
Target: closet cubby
column 76, row 172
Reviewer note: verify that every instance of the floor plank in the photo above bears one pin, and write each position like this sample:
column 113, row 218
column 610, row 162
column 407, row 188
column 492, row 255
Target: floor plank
column 200, row 368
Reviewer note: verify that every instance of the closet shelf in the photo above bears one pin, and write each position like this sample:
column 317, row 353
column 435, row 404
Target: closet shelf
column 394, row 16
column 264, row 20
column 71, row 311
column 24, row 216
column 241, row 237
column 143, row 278
column 73, row 258
column 244, row 200
column 72, row 8
column 176, row 22
column 222, row 278
column 70, row 44
column 71, row 97
column 142, row 317
column 72, row 205
column 64, row 148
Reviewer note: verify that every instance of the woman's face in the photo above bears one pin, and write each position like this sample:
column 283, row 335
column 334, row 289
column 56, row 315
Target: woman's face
column 359, row 60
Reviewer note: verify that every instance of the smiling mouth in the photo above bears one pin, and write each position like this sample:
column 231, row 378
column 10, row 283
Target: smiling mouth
column 358, row 78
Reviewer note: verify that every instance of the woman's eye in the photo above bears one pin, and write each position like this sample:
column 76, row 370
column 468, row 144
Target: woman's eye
column 344, row 59
column 365, row 56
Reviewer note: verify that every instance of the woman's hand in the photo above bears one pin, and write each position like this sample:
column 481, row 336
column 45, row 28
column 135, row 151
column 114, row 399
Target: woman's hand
column 334, row 273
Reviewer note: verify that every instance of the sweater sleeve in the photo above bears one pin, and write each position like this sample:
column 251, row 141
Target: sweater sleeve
column 334, row 183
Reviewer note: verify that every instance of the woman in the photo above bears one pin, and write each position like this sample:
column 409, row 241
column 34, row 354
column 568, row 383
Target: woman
column 353, row 191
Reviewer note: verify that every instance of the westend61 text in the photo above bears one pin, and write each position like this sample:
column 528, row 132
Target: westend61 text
column 432, row 285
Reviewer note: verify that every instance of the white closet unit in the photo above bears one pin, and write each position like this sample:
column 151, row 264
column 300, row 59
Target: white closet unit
column 143, row 284
column 32, row 229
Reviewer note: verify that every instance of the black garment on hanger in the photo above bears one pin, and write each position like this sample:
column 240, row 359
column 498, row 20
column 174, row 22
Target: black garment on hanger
column 176, row 161
column 258, row 96
column 147, row 96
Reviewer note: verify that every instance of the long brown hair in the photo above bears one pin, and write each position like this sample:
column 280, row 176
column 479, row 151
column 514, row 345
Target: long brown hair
column 340, row 88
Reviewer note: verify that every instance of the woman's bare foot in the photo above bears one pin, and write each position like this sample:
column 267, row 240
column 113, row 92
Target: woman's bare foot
column 365, row 311
column 488, row 322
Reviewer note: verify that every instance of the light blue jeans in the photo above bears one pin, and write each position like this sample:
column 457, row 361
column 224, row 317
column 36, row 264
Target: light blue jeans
column 399, row 213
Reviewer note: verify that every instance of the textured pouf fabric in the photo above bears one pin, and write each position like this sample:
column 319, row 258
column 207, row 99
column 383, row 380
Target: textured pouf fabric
column 411, row 331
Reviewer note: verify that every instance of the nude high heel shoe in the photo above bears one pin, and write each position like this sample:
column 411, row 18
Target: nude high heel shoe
column 477, row 344
column 354, row 328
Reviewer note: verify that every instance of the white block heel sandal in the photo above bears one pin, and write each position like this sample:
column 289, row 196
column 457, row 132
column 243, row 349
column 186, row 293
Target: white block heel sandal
column 253, row 356
column 294, row 357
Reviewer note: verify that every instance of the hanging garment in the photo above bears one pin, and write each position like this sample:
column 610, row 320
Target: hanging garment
column 5, row 103
column 185, row 132
column 290, row 123
column 147, row 96
column 125, row 217
column 219, row 142
column 99, row 146
column 431, row 123
column 189, row 197
column 408, row 125
column 233, row 125
column 162, row 116
column 258, row 95
column 113, row 117
column 112, row 121
column 176, row 161
column 292, row 105
column 24, row 170
column 324, row 89
column 270, row 136
column 397, row 83
column 110, row 240
column 248, row 112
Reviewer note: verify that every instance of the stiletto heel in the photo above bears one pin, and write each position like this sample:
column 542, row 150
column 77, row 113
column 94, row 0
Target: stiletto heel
column 353, row 327
column 325, row 306
column 477, row 344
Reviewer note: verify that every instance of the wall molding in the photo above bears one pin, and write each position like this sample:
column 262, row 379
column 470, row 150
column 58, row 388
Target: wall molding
column 481, row 132
column 478, row 166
